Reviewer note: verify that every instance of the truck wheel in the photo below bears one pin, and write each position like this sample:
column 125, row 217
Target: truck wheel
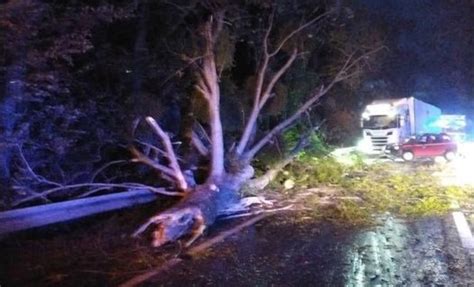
column 449, row 155
column 407, row 156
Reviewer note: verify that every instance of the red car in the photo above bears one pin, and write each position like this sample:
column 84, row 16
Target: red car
column 425, row 146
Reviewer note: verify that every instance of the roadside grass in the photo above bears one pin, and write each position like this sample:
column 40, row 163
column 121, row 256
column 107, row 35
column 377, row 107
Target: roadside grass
column 363, row 191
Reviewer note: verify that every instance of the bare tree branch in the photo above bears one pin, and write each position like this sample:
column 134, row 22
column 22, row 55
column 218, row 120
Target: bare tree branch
column 189, row 62
column 203, row 132
column 152, row 147
column 200, row 89
column 101, row 169
column 267, row 32
column 297, row 30
column 316, row 95
column 170, row 154
column 142, row 158
column 57, row 187
column 99, row 185
column 218, row 26
column 276, row 77
column 259, row 97
column 349, row 63
column 37, row 177
column 283, row 125
column 244, row 139
column 198, row 144
column 262, row 181
column 255, row 109
column 208, row 84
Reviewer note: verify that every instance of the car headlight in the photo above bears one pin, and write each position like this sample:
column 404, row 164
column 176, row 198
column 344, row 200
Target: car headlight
column 396, row 147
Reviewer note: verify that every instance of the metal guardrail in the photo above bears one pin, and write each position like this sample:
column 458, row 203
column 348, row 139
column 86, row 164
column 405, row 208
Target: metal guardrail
column 36, row 216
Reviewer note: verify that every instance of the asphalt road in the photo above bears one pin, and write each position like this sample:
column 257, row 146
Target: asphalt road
column 425, row 252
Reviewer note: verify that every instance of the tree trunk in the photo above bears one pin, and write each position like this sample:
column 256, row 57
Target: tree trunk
column 199, row 209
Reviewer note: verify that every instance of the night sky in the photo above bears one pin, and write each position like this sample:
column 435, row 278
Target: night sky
column 430, row 46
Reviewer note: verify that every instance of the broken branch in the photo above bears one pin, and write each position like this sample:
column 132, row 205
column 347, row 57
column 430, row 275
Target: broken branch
column 140, row 157
column 276, row 77
column 198, row 144
column 170, row 154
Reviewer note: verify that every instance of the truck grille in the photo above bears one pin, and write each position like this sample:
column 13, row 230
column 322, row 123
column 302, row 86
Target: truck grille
column 379, row 142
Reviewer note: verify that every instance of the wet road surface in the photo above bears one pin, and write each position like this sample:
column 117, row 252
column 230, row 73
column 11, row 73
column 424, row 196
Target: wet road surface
column 425, row 252
column 282, row 250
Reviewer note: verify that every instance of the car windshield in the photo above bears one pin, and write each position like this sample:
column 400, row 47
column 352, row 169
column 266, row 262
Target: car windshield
column 379, row 122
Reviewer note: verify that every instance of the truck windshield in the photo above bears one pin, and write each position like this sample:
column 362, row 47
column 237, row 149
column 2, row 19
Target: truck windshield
column 379, row 122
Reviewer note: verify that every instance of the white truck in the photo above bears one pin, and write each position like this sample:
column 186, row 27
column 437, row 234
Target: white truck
column 392, row 121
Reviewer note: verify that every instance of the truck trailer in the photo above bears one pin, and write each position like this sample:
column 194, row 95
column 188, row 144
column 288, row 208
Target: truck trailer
column 454, row 125
column 392, row 121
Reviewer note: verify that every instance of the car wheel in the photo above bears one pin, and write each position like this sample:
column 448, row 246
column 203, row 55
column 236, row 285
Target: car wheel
column 449, row 155
column 407, row 156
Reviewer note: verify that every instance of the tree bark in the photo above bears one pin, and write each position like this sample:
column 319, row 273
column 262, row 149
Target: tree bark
column 198, row 210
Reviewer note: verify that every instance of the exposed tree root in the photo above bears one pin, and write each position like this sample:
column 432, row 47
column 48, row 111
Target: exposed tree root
column 191, row 215
column 194, row 214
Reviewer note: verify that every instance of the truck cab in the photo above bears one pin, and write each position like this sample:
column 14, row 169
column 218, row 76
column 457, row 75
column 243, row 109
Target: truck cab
column 383, row 124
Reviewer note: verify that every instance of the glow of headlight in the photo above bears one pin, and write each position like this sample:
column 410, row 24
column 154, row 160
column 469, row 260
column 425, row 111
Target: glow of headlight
column 460, row 172
column 364, row 145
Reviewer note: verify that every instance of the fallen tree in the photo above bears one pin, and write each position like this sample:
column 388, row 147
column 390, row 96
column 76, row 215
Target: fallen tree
column 229, row 169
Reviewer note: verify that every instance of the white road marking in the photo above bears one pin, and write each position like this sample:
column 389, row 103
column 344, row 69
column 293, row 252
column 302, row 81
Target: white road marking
column 465, row 234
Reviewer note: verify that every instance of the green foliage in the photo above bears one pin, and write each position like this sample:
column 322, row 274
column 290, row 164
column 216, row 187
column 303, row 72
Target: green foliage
column 367, row 190
column 352, row 213
column 328, row 170
column 414, row 194
column 308, row 171
column 357, row 161
column 384, row 188
column 317, row 144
